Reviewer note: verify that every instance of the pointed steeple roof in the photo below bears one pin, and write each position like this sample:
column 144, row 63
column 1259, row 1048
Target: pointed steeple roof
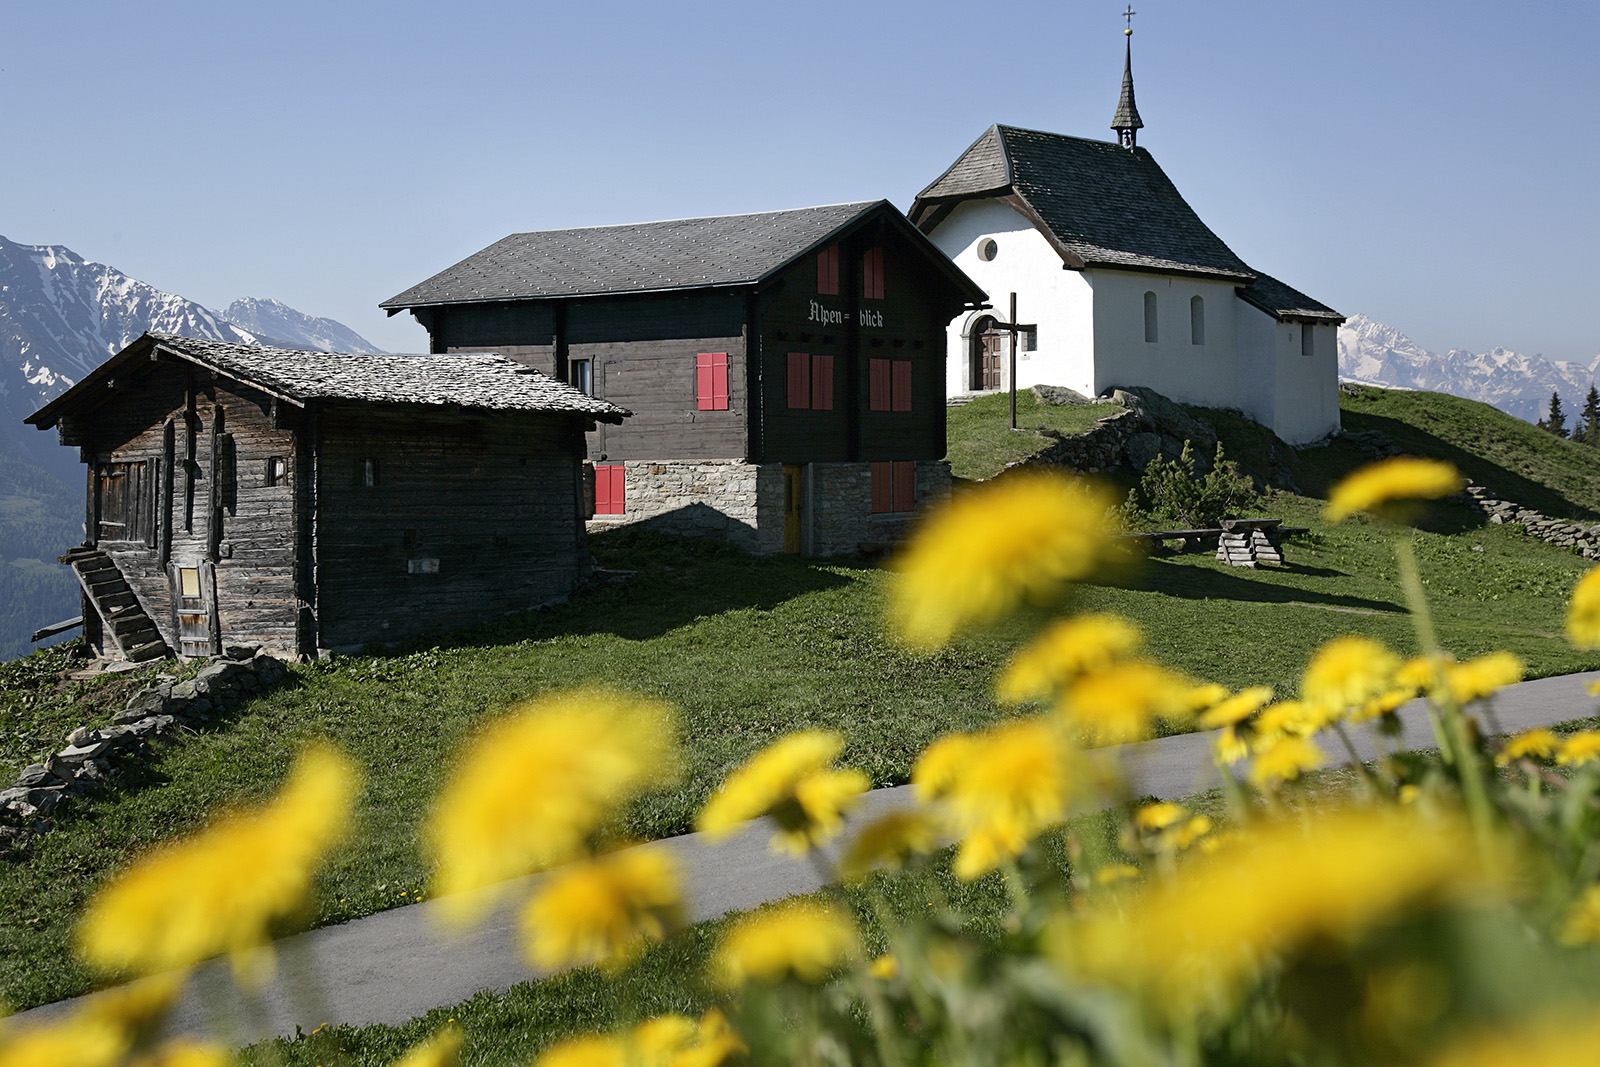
column 1127, row 120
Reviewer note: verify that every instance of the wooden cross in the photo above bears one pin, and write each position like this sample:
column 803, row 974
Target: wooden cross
column 1016, row 330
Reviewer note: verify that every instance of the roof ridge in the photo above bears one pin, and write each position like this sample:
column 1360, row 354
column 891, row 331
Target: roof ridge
column 861, row 204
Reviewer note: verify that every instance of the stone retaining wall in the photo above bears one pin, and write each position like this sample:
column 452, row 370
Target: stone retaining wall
column 165, row 710
column 721, row 499
column 839, row 500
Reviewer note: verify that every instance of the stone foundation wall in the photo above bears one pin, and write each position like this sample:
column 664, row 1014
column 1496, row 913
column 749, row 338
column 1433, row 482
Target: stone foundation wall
column 839, row 506
column 721, row 499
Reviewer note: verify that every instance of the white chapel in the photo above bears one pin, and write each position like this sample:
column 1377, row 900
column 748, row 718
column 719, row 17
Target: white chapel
column 1122, row 282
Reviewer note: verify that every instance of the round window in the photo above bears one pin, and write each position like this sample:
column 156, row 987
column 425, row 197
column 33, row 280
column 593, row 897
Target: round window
column 988, row 248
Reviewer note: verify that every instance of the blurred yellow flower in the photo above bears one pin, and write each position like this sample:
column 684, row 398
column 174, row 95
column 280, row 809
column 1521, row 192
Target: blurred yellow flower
column 890, row 841
column 1583, row 919
column 533, row 788
column 443, row 1049
column 1345, row 673
column 1158, row 816
column 791, row 782
column 1122, row 702
column 1235, row 709
column 1017, row 538
column 1283, row 760
column 1116, row 873
column 1421, row 674
column 1384, row 703
column 884, row 968
column 1190, row 942
column 1230, row 746
column 222, row 889
column 1568, row 1038
column 1579, row 748
column 188, row 1052
column 590, row 1050
column 1001, row 786
column 137, row 1008
column 1286, row 718
column 1583, row 611
column 604, row 910
column 76, row 1041
column 714, row 1042
column 1482, row 677
column 1067, row 649
column 1377, row 487
column 799, row 939
column 1537, row 743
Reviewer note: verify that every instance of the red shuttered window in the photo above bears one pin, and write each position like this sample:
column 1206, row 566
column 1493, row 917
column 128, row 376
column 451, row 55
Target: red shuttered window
column 894, row 487
column 872, row 274
column 608, row 489
column 828, row 271
column 711, row 381
column 900, row 385
column 810, row 382
column 888, row 385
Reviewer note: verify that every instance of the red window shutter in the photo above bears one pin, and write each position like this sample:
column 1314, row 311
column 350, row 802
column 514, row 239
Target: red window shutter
column 828, row 271
column 879, row 390
column 799, row 392
column 822, row 383
column 882, row 487
column 711, row 381
column 618, row 484
column 905, row 487
column 872, row 274
column 900, row 387
column 608, row 489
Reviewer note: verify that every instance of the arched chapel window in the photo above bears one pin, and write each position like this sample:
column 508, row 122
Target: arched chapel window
column 1197, row 321
column 1149, row 316
column 1308, row 339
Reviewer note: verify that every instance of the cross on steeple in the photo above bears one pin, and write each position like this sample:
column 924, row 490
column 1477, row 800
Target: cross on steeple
column 1126, row 121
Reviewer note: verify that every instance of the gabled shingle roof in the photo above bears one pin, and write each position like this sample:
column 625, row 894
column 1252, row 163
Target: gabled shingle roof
column 1286, row 302
column 1099, row 203
column 640, row 257
column 474, row 381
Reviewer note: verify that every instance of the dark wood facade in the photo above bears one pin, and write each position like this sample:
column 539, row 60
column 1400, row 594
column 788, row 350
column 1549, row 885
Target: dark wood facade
column 237, row 514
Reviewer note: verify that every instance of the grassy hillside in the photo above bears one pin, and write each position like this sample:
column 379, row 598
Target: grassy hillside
column 981, row 440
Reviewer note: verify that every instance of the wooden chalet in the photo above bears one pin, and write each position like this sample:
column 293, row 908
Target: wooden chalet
column 785, row 370
column 304, row 501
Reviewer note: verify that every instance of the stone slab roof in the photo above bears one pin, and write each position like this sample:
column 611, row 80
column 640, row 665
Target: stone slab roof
column 484, row 382
column 1099, row 203
column 1286, row 302
column 640, row 257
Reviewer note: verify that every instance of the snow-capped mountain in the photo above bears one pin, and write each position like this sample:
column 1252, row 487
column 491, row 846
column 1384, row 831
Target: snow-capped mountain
column 1519, row 385
column 294, row 329
column 62, row 315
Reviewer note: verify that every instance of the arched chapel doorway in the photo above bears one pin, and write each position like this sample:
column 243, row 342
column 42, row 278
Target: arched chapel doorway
column 987, row 349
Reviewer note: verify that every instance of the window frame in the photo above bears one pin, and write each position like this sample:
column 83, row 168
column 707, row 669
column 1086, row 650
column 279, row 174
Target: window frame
column 1308, row 339
column 586, row 386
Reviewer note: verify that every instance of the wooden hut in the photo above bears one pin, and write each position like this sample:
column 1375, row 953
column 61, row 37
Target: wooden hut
column 306, row 501
column 785, row 369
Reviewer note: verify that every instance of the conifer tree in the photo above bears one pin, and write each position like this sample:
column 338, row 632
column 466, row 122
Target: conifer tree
column 1589, row 429
column 1556, row 421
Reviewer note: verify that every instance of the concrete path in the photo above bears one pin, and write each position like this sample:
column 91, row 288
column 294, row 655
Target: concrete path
column 396, row 965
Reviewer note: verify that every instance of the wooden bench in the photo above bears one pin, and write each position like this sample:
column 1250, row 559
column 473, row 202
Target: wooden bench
column 1240, row 542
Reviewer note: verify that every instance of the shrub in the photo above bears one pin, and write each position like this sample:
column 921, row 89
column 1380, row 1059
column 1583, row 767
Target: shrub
column 1171, row 492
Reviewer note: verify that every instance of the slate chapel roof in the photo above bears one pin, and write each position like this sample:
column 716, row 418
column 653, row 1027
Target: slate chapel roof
column 723, row 250
column 475, row 381
column 1099, row 203
column 1286, row 302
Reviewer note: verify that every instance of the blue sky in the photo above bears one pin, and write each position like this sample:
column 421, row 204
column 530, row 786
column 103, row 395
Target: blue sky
column 1432, row 166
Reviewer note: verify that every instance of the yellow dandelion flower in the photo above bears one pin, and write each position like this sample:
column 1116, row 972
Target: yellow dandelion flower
column 1230, row 747
column 1568, row 1038
column 221, row 889
column 890, row 841
column 1192, row 941
column 187, row 1052
column 1123, row 702
column 790, row 782
column 604, row 910
column 590, row 1050
column 1345, row 673
column 1583, row 611
column 1117, row 873
column 1183, row 837
column 1284, row 760
column 1001, row 786
column 1235, row 709
column 1583, row 919
column 659, row 1040
column 1384, row 703
column 529, row 792
column 1286, row 718
column 884, row 968
column 1158, row 816
column 1482, row 677
column 714, row 1043
column 1378, row 487
column 1066, row 650
column 1537, row 743
column 77, row 1040
column 1579, row 748
column 1018, row 538
column 799, row 939
column 137, row 1008
column 1421, row 674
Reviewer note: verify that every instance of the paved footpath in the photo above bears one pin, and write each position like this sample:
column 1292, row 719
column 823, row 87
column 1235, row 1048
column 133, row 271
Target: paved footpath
column 398, row 964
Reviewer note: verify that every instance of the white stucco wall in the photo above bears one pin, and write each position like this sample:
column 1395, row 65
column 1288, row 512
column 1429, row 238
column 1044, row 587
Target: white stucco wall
column 1193, row 374
column 1057, row 300
column 1306, row 403
column 1260, row 350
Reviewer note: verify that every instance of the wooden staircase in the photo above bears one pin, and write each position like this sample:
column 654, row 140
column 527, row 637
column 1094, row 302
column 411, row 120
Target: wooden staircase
column 136, row 637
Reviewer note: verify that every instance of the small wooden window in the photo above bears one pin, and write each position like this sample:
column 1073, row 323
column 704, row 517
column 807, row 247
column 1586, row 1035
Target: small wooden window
column 367, row 472
column 888, row 385
column 894, row 487
column 711, row 381
column 1197, row 321
column 828, row 271
column 277, row 470
column 189, row 582
column 609, row 489
column 1308, row 339
column 581, row 374
column 872, row 274
column 1150, row 317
